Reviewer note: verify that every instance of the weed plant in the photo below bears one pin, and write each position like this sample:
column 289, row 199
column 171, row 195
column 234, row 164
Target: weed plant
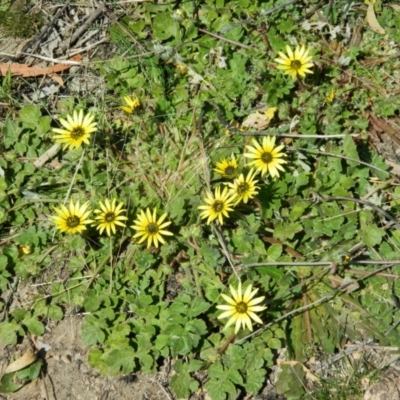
column 221, row 201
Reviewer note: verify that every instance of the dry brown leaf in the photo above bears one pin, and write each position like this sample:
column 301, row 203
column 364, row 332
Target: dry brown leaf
column 57, row 79
column 259, row 120
column 389, row 127
column 27, row 359
column 27, row 71
column 372, row 21
column 395, row 167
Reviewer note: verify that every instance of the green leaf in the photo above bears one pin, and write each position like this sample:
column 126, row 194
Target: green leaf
column 195, row 365
column 254, row 359
column 94, row 358
column 92, row 301
column 234, row 358
column 3, row 262
column 219, row 389
column 286, row 26
column 196, row 327
column 180, row 384
column 144, row 260
column 275, row 251
column 93, row 331
column 181, row 341
column 161, row 341
column 274, row 272
column 19, row 314
column 77, row 242
column 297, row 338
column 165, row 27
column 274, row 343
column 12, row 132
column 8, row 385
column 211, row 255
column 350, row 149
column 29, row 115
column 8, row 332
column 55, row 312
column 290, row 380
column 34, row 326
column 197, row 307
column 147, row 362
column 254, row 380
column 43, row 126
column 371, row 235
column 177, row 210
column 287, row 230
column 120, row 360
column 32, row 371
column 235, row 376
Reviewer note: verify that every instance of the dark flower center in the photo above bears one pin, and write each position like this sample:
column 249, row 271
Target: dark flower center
column 109, row 216
column 152, row 228
column 242, row 188
column 73, row 221
column 295, row 64
column 266, row 157
column 241, row 307
column 77, row 132
column 230, row 170
column 218, row 206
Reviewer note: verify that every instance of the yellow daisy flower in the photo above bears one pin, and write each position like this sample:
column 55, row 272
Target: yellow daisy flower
column 109, row 216
column 218, row 205
column 150, row 228
column 77, row 130
column 244, row 188
column 242, row 308
column 266, row 157
column 297, row 63
column 227, row 167
column 132, row 103
column 72, row 219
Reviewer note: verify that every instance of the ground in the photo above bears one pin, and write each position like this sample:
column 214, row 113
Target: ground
column 68, row 376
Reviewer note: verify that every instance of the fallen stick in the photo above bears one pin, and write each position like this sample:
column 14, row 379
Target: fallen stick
column 47, row 155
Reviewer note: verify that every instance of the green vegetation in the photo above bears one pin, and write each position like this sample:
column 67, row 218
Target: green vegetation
column 18, row 21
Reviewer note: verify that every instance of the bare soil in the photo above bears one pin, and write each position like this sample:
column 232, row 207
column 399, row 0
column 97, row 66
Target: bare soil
column 67, row 375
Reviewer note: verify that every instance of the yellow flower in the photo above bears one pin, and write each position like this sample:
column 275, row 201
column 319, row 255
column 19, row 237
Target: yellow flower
column 266, row 157
column 330, row 97
column 24, row 250
column 297, row 63
column 242, row 308
column 72, row 219
column 244, row 188
column 132, row 103
column 179, row 15
column 150, row 228
column 181, row 69
column 218, row 205
column 227, row 167
column 77, row 130
column 109, row 216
